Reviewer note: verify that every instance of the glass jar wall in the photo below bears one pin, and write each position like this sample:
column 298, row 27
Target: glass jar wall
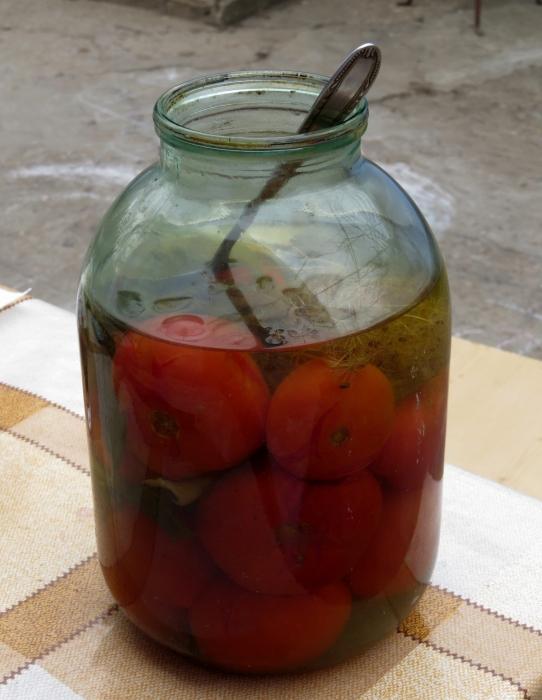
column 266, row 417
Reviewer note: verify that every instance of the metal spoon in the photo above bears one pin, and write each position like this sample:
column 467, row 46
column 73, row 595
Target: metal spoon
column 346, row 87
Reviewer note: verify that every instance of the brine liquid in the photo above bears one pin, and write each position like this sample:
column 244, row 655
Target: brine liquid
column 266, row 510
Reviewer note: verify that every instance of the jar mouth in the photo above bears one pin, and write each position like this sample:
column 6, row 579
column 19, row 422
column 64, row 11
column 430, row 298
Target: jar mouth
column 249, row 111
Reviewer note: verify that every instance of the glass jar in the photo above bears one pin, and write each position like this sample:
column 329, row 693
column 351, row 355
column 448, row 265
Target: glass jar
column 265, row 380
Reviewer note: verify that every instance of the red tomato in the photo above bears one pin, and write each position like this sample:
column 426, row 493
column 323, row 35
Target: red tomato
column 201, row 331
column 243, row 631
column 153, row 567
column 327, row 423
column 381, row 568
column 272, row 533
column 188, row 410
column 416, row 444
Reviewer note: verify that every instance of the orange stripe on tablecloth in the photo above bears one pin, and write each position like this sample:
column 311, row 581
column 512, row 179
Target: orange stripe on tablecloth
column 34, row 443
column 56, row 611
column 80, row 630
column 42, row 398
column 20, row 300
column 15, row 405
column 473, row 664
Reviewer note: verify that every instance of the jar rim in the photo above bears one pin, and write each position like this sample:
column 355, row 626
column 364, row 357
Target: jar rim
column 176, row 133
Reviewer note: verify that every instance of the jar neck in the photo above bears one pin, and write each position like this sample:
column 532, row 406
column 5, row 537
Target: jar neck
column 243, row 126
column 185, row 161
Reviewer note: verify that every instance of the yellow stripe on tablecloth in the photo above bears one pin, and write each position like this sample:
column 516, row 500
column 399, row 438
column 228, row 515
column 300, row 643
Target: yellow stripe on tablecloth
column 508, row 648
column 59, row 431
column 433, row 608
column 17, row 405
column 54, row 613
column 46, row 518
column 113, row 660
column 428, row 674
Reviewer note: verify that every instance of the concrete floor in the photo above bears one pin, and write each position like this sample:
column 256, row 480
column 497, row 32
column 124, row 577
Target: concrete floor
column 455, row 117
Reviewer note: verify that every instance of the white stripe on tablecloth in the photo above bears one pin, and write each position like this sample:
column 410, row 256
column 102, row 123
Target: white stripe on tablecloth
column 490, row 547
column 35, row 683
column 39, row 352
column 8, row 297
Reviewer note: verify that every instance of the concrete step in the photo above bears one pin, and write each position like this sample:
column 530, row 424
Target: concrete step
column 217, row 12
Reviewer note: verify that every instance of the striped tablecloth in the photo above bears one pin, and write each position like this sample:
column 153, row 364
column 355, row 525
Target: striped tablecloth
column 477, row 633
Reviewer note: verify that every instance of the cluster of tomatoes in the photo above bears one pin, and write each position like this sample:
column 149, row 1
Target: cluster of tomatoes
column 314, row 497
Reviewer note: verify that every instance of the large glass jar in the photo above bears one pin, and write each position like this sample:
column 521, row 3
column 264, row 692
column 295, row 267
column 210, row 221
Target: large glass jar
column 265, row 382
